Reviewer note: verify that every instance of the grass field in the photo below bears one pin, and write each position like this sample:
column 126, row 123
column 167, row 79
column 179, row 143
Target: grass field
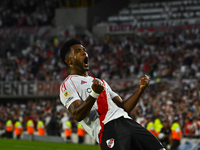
column 8, row 144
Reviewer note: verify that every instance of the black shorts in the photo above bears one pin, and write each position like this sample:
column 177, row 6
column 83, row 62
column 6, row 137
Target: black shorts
column 126, row 134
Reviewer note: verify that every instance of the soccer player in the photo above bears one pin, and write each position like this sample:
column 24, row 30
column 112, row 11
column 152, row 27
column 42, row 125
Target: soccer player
column 101, row 111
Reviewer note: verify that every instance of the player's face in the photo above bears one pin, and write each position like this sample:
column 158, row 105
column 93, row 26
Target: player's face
column 79, row 58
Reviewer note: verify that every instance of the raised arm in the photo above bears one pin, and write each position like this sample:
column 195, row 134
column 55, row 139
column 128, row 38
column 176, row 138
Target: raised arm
column 80, row 111
column 131, row 102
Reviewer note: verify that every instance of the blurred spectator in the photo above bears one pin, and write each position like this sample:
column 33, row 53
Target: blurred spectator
column 18, row 129
column 176, row 133
column 68, row 130
column 81, row 133
column 151, row 128
column 9, row 128
column 66, row 126
column 165, row 136
column 41, row 127
column 188, row 127
column 141, row 119
column 196, row 127
column 157, row 122
column 30, row 128
column 53, row 127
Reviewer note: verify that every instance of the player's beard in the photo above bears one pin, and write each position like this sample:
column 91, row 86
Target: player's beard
column 80, row 67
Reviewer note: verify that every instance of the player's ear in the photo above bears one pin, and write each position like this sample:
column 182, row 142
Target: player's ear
column 68, row 61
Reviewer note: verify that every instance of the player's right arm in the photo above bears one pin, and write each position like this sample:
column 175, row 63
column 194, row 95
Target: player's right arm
column 80, row 110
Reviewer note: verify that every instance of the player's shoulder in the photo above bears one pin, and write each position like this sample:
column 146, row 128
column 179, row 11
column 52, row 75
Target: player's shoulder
column 76, row 79
column 64, row 84
column 71, row 78
column 67, row 79
column 102, row 80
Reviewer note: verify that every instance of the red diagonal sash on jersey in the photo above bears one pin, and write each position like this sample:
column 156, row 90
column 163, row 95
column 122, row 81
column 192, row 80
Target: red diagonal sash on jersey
column 102, row 110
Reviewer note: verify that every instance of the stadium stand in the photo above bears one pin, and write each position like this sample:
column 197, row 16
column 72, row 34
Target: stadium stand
column 150, row 11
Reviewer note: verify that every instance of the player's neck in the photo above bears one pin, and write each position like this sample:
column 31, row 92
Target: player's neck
column 85, row 74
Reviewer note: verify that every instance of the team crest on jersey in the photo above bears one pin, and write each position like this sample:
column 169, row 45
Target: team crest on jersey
column 66, row 93
column 110, row 143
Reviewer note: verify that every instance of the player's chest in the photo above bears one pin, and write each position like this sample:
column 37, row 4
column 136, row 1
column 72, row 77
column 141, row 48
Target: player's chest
column 84, row 87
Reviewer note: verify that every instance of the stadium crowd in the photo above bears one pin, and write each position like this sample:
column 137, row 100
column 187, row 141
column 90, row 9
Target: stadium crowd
column 27, row 13
column 22, row 13
column 162, row 101
column 172, row 54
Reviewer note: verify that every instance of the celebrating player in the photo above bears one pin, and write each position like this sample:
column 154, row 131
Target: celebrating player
column 101, row 111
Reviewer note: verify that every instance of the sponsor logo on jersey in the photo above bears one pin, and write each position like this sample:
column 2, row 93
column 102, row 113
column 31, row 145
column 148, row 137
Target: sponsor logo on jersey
column 110, row 143
column 68, row 100
column 66, row 93
column 89, row 90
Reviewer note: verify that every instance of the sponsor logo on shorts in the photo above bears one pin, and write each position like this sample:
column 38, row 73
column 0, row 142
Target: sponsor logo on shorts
column 110, row 143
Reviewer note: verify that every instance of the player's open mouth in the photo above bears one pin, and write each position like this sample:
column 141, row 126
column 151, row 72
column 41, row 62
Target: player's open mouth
column 86, row 61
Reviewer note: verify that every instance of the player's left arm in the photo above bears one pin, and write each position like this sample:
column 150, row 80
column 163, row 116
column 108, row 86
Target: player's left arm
column 132, row 101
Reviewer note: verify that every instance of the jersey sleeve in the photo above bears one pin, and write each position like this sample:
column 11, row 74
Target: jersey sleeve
column 111, row 92
column 68, row 94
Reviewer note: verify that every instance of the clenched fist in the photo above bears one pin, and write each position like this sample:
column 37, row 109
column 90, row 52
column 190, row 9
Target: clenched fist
column 144, row 82
column 97, row 86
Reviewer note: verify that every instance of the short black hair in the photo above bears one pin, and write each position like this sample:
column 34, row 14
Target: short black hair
column 66, row 48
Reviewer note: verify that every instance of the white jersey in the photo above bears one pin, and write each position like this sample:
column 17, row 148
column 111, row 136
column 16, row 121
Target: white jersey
column 77, row 87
